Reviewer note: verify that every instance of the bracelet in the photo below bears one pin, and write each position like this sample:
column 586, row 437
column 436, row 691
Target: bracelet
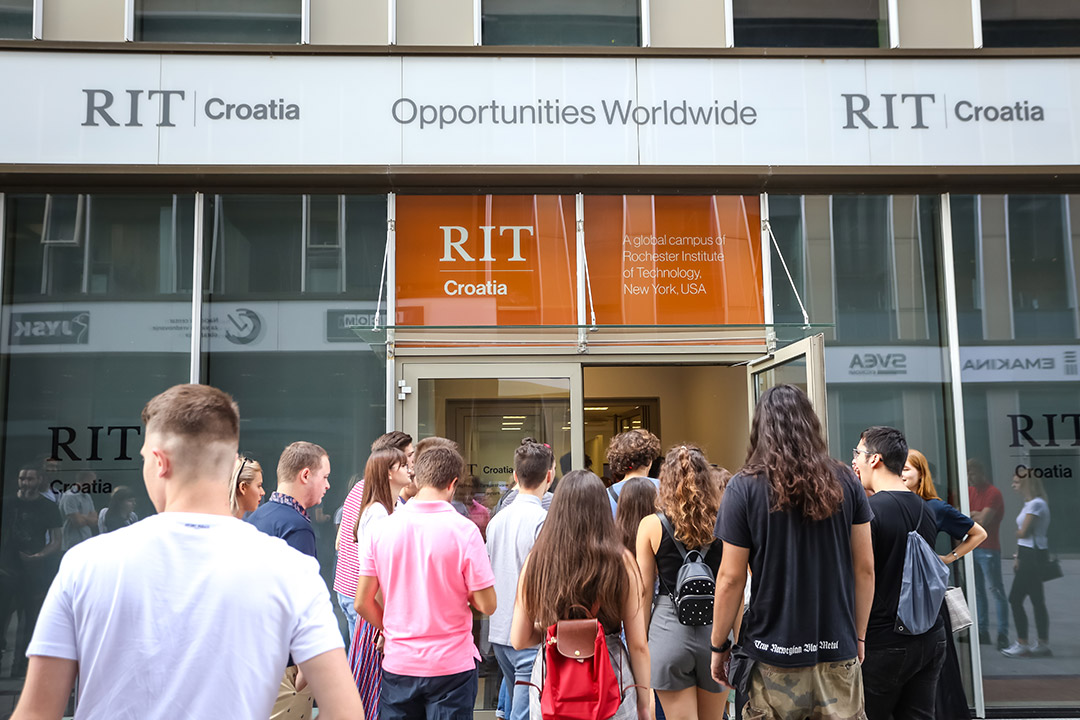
column 955, row 555
column 862, row 640
column 723, row 648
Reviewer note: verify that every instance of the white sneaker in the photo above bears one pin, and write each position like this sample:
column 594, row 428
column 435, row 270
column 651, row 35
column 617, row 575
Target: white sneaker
column 1016, row 650
column 1040, row 649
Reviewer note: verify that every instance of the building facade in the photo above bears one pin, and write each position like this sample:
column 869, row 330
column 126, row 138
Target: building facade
column 492, row 218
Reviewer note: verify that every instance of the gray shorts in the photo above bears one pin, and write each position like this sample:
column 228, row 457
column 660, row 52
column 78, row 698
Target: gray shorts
column 679, row 654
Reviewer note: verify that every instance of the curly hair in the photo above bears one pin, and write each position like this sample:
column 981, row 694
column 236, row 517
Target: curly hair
column 631, row 449
column 689, row 495
column 788, row 448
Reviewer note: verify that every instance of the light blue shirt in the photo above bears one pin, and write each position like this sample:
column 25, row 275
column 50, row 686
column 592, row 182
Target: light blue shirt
column 511, row 535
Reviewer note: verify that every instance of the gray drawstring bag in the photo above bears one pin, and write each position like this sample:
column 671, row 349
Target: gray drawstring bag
column 923, row 585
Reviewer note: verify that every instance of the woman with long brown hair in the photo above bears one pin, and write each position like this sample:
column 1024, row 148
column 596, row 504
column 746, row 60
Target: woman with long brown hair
column 386, row 473
column 636, row 501
column 688, row 503
column 579, row 562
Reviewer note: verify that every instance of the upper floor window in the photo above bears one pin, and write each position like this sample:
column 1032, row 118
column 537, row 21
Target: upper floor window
column 810, row 23
column 561, row 22
column 16, row 19
column 221, row 21
column 1024, row 23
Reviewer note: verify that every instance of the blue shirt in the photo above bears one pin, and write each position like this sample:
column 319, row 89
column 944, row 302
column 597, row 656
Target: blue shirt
column 283, row 520
column 616, row 489
column 949, row 520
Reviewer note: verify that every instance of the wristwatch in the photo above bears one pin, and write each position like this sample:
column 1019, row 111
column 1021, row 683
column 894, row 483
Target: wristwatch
column 723, row 648
column 955, row 556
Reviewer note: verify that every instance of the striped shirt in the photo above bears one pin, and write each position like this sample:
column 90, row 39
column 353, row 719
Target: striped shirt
column 348, row 562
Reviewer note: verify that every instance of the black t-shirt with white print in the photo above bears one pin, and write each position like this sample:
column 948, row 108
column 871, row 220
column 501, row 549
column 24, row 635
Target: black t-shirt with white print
column 802, row 603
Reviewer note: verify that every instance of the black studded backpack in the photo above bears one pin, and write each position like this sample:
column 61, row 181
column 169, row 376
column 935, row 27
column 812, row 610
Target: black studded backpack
column 695, row 585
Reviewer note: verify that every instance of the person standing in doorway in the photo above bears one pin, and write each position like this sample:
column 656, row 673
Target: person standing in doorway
column 799, row 520
column 303, row 475
column 510, row 537
column 988, row 509
column 900, row 672
column 629, row 455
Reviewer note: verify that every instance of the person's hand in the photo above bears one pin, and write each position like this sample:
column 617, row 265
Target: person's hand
column 719, row 668
column 380, row 642
column 409, row 491
column 301, row 681
column 947, row 559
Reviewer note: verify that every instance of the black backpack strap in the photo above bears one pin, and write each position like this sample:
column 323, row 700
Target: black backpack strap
column 665, row 523
column 614, row 496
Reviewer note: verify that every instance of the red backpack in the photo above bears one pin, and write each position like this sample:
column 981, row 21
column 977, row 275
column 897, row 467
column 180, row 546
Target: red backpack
column 579, row 681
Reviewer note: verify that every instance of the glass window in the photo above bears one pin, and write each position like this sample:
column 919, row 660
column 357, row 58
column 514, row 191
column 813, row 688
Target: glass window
column 810, row 23
column 586, row 22
column 1022, row 23
column 16, row 19
column 292, row 285
column 97, row 320
column 1022, row 434
column 227, row 21
column 1041, row 265
column 967, row 267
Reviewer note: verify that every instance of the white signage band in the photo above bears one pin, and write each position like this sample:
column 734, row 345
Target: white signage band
column 217, row 110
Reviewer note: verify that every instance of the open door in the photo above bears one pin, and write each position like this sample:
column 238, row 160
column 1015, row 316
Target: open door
column 802, row 363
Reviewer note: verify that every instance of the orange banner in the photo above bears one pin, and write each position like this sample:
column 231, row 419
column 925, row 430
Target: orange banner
column 675, row 260
column 486, row 260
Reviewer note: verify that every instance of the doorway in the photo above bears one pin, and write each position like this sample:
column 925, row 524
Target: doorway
column 488, row 405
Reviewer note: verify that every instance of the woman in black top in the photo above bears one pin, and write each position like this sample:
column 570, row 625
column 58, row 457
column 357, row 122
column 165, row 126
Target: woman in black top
column 689, row 498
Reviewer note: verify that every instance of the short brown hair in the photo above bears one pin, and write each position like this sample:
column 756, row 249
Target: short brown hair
column 438, row 466
column 532, row 460
column 433, row 442
column 632, row 449
column 392, row 439
column 297, row 457
column 196, row 412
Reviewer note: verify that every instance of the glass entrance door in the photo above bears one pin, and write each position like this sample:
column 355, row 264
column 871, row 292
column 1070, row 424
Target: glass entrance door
column 801, row 363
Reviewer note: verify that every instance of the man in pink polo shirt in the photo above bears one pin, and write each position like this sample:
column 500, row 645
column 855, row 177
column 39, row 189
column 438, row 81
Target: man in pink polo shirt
column 431, row 565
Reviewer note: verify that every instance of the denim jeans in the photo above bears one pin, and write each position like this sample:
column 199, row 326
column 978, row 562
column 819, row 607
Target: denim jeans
column 347, row 607
column 900, row 680
column 988, row 568
column 515, row 665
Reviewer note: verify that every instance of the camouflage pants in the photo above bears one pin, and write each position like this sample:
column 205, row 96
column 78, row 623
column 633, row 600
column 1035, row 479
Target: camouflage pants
column 826, row 690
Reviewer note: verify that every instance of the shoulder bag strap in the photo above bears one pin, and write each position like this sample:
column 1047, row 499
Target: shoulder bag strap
column 907, row 516
column 614, row 496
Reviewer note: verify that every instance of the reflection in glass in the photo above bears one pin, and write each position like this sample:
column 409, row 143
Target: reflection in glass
column 16, row 19
column 1020, row 23
column 97, row 317
column 810, row 23
column 1019, row 425
column 562, row 22
column 224, row 21
column 291, row 282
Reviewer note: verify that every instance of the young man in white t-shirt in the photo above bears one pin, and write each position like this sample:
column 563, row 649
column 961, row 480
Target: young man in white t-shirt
column 511, row 534
column 190, row 611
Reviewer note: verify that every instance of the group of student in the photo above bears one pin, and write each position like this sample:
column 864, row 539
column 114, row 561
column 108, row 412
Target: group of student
column 211, row 610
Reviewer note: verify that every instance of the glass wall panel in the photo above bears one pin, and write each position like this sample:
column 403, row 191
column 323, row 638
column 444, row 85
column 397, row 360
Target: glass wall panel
column 869, row 266
column 607, row 23
column 1022, row 425
column 218, row 21
column 1022, row 23
column 96, row 320
column 16, row 19
column 810, row 23
column 292, row 285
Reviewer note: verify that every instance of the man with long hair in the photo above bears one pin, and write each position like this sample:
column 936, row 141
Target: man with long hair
column 801, row 523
